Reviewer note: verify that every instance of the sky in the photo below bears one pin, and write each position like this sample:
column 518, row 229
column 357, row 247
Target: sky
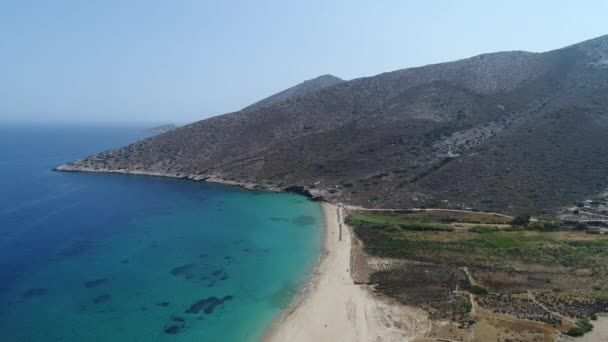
column 184, row 60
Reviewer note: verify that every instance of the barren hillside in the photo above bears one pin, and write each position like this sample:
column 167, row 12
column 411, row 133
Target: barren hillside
column 507, row 131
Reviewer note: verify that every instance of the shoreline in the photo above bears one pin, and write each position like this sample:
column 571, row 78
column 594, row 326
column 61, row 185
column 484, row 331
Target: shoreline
column 192, row 177
column 331, row 307
column 312, row 280
column 312, row 194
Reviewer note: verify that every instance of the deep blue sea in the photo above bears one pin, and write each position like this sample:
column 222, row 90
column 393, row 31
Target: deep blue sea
column 98, row 257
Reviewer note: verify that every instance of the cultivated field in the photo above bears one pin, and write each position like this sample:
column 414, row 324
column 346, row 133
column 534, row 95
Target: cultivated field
column 485, row 276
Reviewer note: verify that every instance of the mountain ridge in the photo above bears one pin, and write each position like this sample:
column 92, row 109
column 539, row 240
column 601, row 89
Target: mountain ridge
column 509, row 131
column 300, row 89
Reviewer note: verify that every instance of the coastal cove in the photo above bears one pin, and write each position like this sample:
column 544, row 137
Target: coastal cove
column 105, row 257
column 327, row 304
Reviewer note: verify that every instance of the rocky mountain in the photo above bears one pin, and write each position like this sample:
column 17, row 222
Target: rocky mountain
column 299, row 90
column 507, row 131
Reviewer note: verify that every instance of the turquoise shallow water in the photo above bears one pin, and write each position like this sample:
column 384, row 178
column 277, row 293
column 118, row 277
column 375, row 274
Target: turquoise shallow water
column 91, row 257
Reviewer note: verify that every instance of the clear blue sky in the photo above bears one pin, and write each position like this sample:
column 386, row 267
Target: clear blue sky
column 180, row 61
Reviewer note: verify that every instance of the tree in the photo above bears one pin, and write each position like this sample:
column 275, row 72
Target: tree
column 522, row 220
column 478, row 290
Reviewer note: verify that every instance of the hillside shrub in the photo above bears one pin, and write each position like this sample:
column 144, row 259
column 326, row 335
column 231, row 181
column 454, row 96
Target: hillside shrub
column 484, row 229
column 420, row 226
column 583, row 327
column 544, row 226
column 478, row 290
column 522, row 220
column 576, row 332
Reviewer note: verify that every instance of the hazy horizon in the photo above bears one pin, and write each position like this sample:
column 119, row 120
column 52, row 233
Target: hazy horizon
column 147, row 61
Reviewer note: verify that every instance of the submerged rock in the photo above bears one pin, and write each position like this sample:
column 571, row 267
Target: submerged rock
column 35, row 292
column 96, row 282
column 172, row 330
column 279, row 219
column 102, row 298
column 303, row 220
column 182, row 269
column 77, row 248
column 175, row 325
column 207, row 305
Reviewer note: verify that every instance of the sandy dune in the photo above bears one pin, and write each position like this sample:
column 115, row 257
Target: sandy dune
column 333, row 308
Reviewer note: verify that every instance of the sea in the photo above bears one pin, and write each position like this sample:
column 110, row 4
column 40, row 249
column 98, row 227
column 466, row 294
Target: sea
column 109, row 257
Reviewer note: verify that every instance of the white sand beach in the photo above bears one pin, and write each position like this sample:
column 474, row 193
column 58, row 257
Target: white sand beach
column 333, row 308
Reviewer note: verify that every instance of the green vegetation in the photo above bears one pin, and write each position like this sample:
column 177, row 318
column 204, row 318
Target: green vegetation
column 468, row 307
column 563, row 267
column 384, row 222
column 521, row 220
column 478, row 290
column 583, row 327
column 576, row 332
column 544, row 226
column 484, row 229
column 442, row 216
column 525, row 221
column 408, row 235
